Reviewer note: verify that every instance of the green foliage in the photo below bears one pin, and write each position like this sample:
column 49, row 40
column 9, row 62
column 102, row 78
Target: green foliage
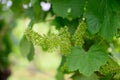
column 84, row 61
column 101, row 15
column 60, row 75
column 81, row 25
column 60, row 22
column 30, row 56
column 92, row 16
column 92, row 22
column 51, row 41
column 65, row 43
column 26, row 48
column 111, row 67
column 78, row 37
column 47, row 42
column 82, row 77
column 5, row 45
column 65, row 8
column 107, row 77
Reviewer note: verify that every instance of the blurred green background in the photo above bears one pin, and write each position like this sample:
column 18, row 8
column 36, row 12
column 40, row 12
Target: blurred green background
column 42, row 67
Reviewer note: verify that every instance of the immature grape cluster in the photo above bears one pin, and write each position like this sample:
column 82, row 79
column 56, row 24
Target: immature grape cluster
column 78, row 37
column 62, row 40
column 48, row 42
column 34, row 37
column 111, row 67
column 65, row 44
column 64, row 68
column 52, row 41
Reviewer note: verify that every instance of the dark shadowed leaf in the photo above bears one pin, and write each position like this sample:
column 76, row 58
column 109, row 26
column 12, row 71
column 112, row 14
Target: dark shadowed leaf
column 65, row 8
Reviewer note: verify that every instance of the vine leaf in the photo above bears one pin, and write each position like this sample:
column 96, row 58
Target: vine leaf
column 102, row 16
column 26, row 48
column 107, row 77
column 110, row 25
column 65, row 8
column 60, row 75
column 82, row 77
column 93, row 15
column 31, row 53
column 86, row 62
column 93, row 23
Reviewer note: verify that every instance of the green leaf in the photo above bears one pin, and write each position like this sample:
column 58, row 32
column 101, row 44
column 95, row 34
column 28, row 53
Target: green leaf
column 117, row 20
column 107, row 77
column 58, row 22
column 30, row 55
column 92, row 22
column 94, row 15
column 82, row 77
column 60, row 75
column 115, row 5
column 17, row 8
column 25, row 1
column 33, row 1
column 109, row 26
column 86, row 62
column 72, row 25
column 39, row 15
column 65, row 8
column 26, row 48
column 101, row 17
column 110, row 22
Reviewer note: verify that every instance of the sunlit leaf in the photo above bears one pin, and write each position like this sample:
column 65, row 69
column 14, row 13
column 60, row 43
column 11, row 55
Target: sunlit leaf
column 86, row 62
column 26, row 48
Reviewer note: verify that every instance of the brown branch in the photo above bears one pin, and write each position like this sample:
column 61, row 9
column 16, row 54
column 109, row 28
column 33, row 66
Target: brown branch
column 5, row 28
column 3, row 32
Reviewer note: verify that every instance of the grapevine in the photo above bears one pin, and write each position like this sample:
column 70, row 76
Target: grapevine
column 65, row 44
column 78, row 37
column 62, row 40
column 111, row 67
column 88, row 35
column 49, row 42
